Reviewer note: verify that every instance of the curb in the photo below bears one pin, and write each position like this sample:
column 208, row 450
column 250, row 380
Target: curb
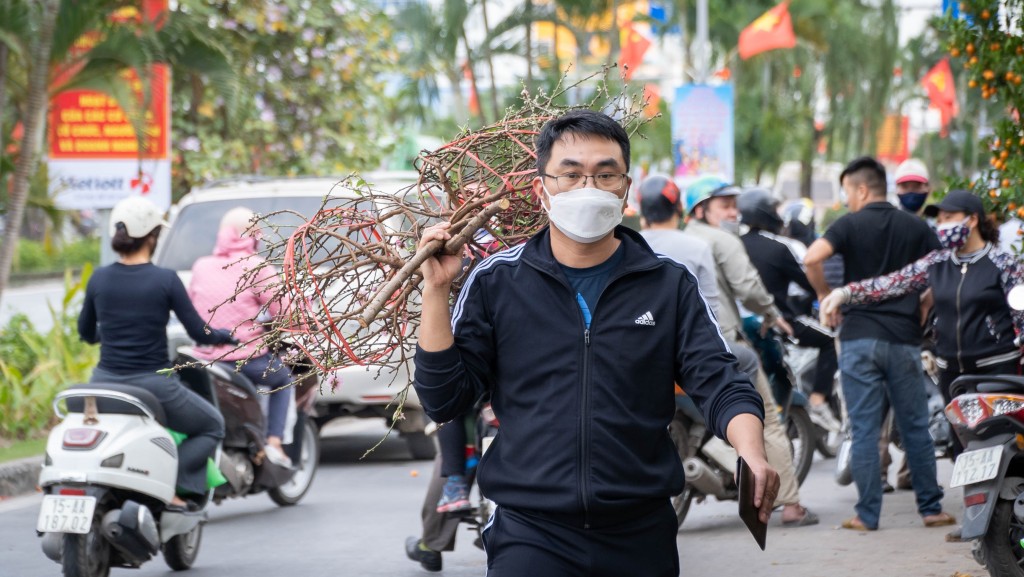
column 20, row 477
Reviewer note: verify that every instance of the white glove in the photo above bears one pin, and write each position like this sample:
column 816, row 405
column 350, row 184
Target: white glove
column 828, row 308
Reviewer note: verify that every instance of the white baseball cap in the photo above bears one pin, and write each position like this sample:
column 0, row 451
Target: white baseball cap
column 911, row 170
column 140, row 216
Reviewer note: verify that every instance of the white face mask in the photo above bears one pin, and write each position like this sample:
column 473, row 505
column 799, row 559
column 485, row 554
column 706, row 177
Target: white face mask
column 586, row 214
column 730, row 226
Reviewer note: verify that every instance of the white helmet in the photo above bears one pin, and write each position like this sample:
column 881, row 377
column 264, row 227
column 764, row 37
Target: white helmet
column 140, row 216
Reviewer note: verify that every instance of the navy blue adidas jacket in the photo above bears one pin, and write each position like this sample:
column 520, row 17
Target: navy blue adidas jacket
column 584, row 413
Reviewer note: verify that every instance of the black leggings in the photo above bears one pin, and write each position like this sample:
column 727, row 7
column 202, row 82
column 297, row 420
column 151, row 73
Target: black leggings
column 186, row 413
column 452, row 439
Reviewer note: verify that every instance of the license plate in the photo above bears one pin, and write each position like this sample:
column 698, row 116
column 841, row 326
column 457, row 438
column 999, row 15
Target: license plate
column 976, row 466
column 66, row 514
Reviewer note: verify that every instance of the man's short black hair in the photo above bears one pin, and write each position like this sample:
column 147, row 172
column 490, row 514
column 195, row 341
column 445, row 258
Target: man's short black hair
column 867, row 171
column 583, row 123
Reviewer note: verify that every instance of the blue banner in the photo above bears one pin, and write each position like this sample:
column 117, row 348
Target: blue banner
column 702, row 132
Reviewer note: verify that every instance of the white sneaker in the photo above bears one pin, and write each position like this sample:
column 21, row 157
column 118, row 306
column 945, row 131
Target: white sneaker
column 822, row 416
column 276, row 456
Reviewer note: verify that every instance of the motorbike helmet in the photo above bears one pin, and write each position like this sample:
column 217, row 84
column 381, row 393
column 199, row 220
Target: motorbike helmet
column 798, row 219
column 759, row 209
column 706, row 187
column 138, row 215
column 659, row 198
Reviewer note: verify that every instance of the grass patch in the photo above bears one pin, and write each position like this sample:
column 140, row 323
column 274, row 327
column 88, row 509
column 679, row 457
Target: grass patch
column 11, row 451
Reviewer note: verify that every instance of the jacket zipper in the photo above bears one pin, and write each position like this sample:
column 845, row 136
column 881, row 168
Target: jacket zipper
column 585, row 429
column 584, row 485
column 959, row 348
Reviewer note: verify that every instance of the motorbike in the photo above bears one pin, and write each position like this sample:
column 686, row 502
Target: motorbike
column 802, row 363
column 938, row 425
column 709, row 463
column 111, row 464
column 789, row 398
column 987, row 414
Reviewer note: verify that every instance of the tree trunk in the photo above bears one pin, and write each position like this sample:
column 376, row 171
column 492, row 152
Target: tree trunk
column 454, row 75
column 495, row 108
column 807, row 164
column 3, row 95
column 28, row 156
column 613, row 40
column 529, row 45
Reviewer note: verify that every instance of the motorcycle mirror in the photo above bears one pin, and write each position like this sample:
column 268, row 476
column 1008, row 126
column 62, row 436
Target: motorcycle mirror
column 1016, row 298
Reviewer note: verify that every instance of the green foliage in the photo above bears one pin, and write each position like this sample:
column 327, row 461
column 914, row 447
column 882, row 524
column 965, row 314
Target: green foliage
column 34, row 366
column 33, row 256
column 987, row 45
column 312, row 85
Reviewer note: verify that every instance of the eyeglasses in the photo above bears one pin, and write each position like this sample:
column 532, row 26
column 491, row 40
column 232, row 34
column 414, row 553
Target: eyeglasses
column 609, row 181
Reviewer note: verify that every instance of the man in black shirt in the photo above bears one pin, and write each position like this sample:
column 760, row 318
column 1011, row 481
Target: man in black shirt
column 880, row 345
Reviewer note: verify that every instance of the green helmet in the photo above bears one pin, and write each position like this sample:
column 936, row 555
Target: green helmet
column 706, row 187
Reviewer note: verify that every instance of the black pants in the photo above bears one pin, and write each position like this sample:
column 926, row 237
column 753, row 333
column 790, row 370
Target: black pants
column 952, row 371
column 452, row 439
column 186, row 413
column 521, row 544
column 439, row 529
column 810, row 334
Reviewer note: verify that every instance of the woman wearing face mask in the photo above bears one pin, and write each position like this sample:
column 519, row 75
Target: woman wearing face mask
column 970, row 278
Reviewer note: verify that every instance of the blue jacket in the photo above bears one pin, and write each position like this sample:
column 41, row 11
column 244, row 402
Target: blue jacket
column 584, row 413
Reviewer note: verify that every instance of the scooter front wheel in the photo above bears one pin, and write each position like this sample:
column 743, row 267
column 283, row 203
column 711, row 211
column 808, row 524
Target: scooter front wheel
column 1001, row 544
column 88, row 554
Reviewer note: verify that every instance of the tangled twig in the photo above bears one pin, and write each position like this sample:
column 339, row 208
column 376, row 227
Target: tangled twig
column 349, row 282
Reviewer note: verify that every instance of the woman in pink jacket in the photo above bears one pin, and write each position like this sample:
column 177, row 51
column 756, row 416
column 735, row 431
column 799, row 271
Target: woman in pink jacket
column 214, row 291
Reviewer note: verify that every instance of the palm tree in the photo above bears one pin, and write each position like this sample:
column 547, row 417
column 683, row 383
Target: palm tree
column 40, row 60
column 39, row 48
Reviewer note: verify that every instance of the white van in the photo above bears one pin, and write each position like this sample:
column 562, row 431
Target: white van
column 360, row 391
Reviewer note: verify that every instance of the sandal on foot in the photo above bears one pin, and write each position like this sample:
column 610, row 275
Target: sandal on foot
column 808, row 519
column 856, row 524
column 941, row 520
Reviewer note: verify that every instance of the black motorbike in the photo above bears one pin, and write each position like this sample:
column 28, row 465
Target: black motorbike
column 708, row 462
column 987, row 413
column 243, row 460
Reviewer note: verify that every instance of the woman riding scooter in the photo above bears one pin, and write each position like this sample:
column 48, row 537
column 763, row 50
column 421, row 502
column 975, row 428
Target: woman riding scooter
column 215, row 291
column 126, row 309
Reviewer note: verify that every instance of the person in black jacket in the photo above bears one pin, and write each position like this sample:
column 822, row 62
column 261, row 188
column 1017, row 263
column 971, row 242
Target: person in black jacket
column 975, row 329
column 579, row 336
column 126, row 309
column 779, row 267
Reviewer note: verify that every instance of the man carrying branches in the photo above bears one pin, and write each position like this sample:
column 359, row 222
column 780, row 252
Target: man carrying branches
column 578, row 336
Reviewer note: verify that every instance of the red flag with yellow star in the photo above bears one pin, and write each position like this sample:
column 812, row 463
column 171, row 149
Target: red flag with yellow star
column 634, row 45
column 773, row 30
column 941, row 91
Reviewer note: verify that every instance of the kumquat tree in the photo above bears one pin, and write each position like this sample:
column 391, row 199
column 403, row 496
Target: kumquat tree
column 985, row 37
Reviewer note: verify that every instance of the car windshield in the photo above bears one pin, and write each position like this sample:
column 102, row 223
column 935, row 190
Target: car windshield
column 194, row 232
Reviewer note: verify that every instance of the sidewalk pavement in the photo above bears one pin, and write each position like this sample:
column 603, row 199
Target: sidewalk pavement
column 714, row 543
column 20, row 476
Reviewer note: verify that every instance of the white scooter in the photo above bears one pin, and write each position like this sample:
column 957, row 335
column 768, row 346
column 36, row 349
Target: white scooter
column 108, row 476
column 111, row 468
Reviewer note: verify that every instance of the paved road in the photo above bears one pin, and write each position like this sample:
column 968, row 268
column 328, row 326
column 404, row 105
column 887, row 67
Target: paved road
column 358, row 513
column 32, row 300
